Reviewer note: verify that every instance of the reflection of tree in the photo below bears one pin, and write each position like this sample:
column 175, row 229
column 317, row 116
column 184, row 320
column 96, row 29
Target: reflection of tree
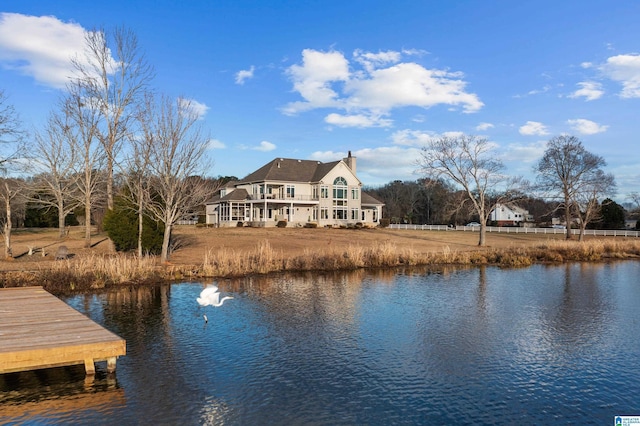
column 580, row 316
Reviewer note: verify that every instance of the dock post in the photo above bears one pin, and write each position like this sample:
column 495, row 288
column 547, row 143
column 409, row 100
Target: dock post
column 111, row 364
column 89, row 367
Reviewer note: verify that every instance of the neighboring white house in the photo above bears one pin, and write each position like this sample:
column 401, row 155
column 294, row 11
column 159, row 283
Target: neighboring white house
column 296, row 191
column 511, row 215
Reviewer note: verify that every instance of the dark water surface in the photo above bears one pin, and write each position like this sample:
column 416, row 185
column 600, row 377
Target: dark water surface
column 541, row 345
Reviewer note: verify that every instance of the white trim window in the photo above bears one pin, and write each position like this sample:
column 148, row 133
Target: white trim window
column 291, row 191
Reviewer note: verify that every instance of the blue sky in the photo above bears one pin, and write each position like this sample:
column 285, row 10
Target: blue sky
column 315, row 79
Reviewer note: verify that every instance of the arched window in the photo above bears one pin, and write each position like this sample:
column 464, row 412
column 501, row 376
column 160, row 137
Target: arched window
column 340, row 191
column 340, row 188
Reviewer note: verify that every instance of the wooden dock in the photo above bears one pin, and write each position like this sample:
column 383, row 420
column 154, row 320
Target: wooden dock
column 38, row 330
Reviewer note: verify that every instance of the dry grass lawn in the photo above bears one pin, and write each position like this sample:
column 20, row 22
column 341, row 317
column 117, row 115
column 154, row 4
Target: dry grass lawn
column 193, row 243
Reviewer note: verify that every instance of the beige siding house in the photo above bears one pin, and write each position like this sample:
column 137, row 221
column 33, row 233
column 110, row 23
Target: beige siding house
column 298, row 192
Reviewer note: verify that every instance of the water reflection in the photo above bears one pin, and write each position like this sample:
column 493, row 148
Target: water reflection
column 418, row 346
column 59, row 393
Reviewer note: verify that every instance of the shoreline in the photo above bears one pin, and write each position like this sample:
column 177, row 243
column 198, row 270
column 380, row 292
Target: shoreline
column 207, row 253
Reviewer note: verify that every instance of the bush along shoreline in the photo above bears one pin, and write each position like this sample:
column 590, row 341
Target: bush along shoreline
column 96, row 272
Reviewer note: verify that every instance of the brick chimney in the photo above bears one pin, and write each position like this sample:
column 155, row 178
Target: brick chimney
column 351, row 162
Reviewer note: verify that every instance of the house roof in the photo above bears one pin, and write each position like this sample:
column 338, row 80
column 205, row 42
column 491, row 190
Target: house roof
column 290, row 170
column 236, row 195
column 367, row 199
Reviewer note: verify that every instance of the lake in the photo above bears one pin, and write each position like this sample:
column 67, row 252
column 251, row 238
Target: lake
column 539, row 345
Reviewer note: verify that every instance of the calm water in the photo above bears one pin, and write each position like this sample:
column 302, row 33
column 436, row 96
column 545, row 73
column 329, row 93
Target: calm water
column 542, row 345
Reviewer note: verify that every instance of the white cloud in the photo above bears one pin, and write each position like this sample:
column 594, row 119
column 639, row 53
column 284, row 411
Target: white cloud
column 420, row 138
column 590, row 90
column 484, row 126
column 357, row 120
column 586, row 127
column 377, row 166
column 216, row 144
column 520, row 153
column 325, row 80
column 194, row 106
column 533, row 128
column 370, row 61
column 624, row 69
column 40, row 47
column 313, row 79
column 545, row 89
column 586, row 65
column 265, row 146
column 243, row 75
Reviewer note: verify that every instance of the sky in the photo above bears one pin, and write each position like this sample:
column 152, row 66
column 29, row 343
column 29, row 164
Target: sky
column 316, row 79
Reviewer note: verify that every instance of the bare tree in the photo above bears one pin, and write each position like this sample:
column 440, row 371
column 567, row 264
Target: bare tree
column 54, row 156
column 10, row 191
column 82, row 135
column 565, row 172
column 587, row 208
column 115, row 84
column 136, row 167
column 12, row 135
column 467, row 161
column 177, row 148
column 12, row 151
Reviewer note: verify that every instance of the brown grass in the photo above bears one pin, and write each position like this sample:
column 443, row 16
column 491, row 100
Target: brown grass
column 229, row 252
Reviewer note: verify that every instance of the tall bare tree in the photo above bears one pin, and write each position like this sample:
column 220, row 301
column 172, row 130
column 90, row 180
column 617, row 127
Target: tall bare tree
column 587, row 208
column 136, row 166
column 564, row 173
column 12, row 151
column 468, row 162
column 177, row 148
column 82, row 135
column 114, row 74
column 55, row 156
column 11, row 189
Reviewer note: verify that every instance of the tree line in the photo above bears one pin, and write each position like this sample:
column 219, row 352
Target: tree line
column 464, row 181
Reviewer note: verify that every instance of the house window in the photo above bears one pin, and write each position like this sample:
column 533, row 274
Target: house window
column 324, row 213
column 354, row 214
column 364, row 217
column 291, row 191
column 314, row 192
column 340, row 188
column 315, row 214
column 355, row 193
column 324, row 191
column 340, row 213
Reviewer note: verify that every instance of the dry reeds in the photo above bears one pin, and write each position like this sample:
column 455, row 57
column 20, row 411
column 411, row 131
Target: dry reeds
column 92, row 271
column 97, row 271
column 263, row 259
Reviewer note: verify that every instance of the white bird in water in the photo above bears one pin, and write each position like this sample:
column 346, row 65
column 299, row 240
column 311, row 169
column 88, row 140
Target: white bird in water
column 211, row 297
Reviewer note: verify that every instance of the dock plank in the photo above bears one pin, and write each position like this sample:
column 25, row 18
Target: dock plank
column 38, row 330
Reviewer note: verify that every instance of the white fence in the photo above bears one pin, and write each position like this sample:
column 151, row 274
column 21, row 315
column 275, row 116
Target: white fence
column 516, row 230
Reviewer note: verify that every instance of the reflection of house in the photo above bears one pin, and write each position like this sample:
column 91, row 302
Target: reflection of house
column 504, row 215
column 296, row 191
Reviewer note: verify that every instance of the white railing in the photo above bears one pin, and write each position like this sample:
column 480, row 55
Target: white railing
column 517, row 230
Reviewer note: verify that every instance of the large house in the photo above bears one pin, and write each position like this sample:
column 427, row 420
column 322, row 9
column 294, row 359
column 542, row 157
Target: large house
column 510, row 215
column 298, row 192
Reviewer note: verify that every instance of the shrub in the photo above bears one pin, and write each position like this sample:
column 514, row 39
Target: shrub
column 121, row 224
column 281, row 224
column 239, row 224
column 385, row 222
column 310, row 225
